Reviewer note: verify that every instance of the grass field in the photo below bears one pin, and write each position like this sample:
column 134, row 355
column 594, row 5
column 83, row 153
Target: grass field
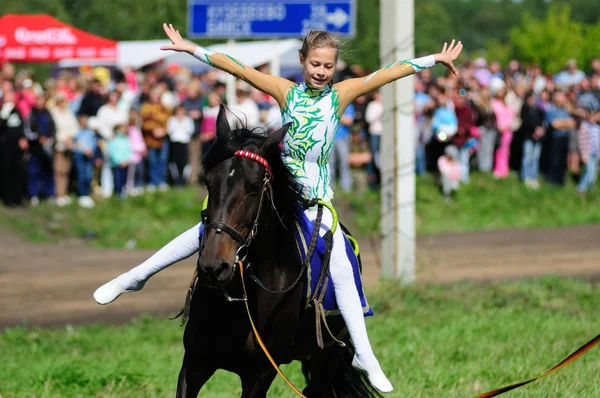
column 151, row 220
column 432, row 341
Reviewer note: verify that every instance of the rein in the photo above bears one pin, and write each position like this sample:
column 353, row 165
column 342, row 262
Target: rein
column 240, row 259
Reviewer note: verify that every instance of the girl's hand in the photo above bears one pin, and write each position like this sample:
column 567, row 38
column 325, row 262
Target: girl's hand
column 449, row 54
column 178, row 43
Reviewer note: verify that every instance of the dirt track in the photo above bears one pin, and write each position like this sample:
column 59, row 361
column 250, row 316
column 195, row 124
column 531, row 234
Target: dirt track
column 52, row 285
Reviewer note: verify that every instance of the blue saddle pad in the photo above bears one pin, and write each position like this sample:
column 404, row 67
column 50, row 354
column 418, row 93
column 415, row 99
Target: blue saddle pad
column 304, row 232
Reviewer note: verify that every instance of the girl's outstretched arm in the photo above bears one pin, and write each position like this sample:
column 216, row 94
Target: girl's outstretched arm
column 353, row 88
column 275, row 86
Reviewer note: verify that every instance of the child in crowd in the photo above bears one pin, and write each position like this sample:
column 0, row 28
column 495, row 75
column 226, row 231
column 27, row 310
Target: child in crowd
column 119, row 153
column 84, row 148
column 589, row 146
column 135, row 172
column 450, row 171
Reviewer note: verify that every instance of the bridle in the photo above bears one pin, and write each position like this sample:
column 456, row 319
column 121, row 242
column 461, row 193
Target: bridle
column 245, row 242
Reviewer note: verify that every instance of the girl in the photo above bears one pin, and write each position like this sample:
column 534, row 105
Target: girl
column 505, row 117
column 119, row 154
column 208, row 131
column 309, row 163
column 135, row 172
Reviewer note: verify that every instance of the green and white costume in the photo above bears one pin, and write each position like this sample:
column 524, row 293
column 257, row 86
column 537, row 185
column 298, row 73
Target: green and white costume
column 314, row 115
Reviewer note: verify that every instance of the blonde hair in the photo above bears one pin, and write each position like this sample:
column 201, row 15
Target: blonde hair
column 320, row 39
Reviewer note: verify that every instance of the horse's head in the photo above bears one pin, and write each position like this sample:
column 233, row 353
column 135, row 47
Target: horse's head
column 238, row 172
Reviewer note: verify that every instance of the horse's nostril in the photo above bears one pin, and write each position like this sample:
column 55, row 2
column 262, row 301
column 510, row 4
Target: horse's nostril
column 221, row 272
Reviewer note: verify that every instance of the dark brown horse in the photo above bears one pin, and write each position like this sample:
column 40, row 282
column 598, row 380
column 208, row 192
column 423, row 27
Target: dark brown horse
column 253, row 205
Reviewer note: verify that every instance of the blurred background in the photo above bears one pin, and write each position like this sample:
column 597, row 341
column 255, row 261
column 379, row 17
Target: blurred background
column 101, row 154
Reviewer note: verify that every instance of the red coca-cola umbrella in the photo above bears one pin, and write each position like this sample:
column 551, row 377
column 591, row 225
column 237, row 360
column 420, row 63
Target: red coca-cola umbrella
column 42, row 38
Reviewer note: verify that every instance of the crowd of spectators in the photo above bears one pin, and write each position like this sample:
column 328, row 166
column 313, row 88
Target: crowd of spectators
column 95, row 132
column 517, row 119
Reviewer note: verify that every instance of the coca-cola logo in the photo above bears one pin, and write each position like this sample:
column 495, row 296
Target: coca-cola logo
column 46, row 36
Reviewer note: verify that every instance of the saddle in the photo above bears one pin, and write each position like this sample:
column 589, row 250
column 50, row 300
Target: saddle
column 319, row 291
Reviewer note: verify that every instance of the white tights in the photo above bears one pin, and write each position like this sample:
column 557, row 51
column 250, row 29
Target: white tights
column 176, row 250
column 342, row 277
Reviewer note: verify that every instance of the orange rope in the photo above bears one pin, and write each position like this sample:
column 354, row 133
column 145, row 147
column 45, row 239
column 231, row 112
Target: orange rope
column 582, row 350
column 260, row 342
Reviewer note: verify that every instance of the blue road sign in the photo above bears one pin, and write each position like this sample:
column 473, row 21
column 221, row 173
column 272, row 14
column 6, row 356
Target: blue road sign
column 269, row 18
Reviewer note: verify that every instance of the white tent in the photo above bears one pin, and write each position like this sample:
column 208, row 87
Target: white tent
column 140, row 53
column 129, row 53
column 253, row 53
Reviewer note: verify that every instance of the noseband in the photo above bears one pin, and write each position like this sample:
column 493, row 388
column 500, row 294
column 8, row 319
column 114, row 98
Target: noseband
column 219, row 227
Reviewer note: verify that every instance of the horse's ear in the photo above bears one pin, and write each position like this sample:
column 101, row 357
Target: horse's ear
column 223, row 126
column 275, row 137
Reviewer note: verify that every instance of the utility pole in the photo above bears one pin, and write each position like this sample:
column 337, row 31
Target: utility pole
column 398, row 148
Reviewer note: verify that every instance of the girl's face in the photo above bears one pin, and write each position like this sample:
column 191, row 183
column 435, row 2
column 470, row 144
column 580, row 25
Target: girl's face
column 319, row 66
column 213, row 100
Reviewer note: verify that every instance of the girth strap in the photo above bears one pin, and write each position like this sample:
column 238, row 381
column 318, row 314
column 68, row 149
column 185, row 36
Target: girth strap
column 319, row 293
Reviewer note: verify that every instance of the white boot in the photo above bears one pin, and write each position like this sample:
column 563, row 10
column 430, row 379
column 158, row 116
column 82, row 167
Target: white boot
column 109, row 292
column 377, row 379
column 176, row 250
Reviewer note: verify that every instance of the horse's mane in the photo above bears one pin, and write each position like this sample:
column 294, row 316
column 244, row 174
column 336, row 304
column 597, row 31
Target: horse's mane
column 287, row 192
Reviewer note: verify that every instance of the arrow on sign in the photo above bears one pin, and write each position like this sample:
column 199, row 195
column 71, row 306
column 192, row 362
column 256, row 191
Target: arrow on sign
column 338, row 18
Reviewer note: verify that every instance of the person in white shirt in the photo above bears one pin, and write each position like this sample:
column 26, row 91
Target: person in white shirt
column 245, row 108
column 109, row 116
column 180, row 129
column 273, row 116
column 66, row 129
column 373, row 118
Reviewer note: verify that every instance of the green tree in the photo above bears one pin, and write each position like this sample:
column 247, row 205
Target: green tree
column 591, row 49
column 433, row 26
column 549, row 42
column 51, row 7
column 363, row 48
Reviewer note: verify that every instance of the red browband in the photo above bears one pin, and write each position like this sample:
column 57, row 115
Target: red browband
column 255, row 157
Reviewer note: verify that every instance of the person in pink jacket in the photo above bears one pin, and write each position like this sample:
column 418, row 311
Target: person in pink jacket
column 505, row 117
column 135, row 172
